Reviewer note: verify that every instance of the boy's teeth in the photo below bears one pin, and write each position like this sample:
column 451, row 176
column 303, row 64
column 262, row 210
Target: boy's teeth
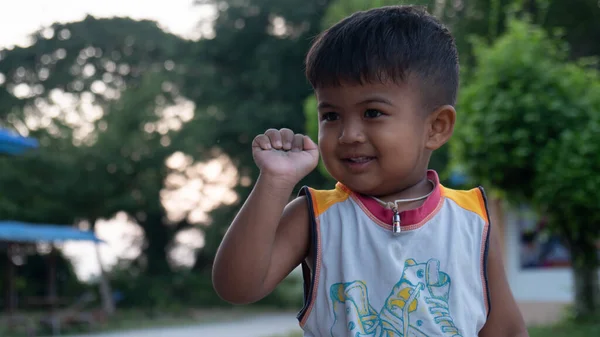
column 359, row 159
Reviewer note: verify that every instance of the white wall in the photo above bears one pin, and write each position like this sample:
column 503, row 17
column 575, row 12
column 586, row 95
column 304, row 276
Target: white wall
column 531, row 285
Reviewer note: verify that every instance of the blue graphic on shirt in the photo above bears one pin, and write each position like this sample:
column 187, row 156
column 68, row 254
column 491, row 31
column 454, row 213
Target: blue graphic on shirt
column 416, row 307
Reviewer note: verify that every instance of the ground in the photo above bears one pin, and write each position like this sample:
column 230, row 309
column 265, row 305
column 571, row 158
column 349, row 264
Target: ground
column 262, row 325
column 284, row 324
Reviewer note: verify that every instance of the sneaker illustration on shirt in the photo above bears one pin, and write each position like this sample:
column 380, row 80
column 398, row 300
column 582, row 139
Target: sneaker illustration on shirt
column 417, row 306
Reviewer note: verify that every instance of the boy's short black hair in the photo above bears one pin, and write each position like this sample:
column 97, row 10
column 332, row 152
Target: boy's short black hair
column 390, row 43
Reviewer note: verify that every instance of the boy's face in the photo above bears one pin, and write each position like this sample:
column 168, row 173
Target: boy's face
column 375, row 138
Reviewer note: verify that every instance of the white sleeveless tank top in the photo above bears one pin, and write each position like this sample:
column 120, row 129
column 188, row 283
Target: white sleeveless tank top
column 366, row 281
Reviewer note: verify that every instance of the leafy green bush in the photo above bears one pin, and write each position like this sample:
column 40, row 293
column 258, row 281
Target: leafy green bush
column 528, row 125
column 522, row 93
column 181, row 290
column 568, row 184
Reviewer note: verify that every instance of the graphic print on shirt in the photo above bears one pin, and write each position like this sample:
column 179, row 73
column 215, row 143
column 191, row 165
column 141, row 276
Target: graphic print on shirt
column 416, row 307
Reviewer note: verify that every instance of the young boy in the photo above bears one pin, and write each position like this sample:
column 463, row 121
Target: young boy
column 389, row 251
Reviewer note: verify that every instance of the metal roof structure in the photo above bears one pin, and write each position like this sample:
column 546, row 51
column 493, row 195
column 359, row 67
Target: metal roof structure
column 15, row 231
column 14, row 144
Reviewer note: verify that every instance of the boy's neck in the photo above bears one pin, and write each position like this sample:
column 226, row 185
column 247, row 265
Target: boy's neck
column 419, row 189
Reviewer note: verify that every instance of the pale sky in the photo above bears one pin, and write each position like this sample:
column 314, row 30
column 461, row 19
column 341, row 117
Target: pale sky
column 20, row 18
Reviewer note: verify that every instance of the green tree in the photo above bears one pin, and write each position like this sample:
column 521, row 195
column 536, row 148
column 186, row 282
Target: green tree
column 520, row 80
column 127, row 165
column 568, row 185
column 124, row 68
column 340, row 9
column 97, row 57
column 312, row 130
column 523, row 95
column 247, row 79
column 576, row 18
column 487, row 20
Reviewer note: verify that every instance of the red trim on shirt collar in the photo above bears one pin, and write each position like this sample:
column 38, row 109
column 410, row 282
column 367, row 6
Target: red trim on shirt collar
column 408, row 217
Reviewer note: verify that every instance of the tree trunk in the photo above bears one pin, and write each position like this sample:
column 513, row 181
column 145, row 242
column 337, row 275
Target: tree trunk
column 531, row 7
column 108, row 304
column 203, row 261
column 9, row 283
column 585, row 276
column 158, row 238
column 106, row 296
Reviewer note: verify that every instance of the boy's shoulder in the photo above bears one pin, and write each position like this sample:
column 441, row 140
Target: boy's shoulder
column 322, row 199
column 473, row 200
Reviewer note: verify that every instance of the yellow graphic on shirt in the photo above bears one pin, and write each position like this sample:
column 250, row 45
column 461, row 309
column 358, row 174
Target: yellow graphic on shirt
column 416, row 307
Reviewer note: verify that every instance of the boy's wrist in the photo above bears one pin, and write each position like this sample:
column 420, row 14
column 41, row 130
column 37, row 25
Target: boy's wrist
column 276, row 184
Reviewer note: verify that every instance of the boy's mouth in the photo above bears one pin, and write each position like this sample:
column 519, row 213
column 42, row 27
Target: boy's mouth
column 357, row 163
column 359, row 160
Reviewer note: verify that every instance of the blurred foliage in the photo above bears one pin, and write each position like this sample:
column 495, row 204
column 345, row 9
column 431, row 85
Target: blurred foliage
column 97, row 94
column 340, row 9
column 526, row 130
column 185, row 289
column 312, row 130
column 522, row 94
column 247, row 80
column 568, row 187
column 134, row 71
column 35, row 267
column 568, row 183
column 84, row 57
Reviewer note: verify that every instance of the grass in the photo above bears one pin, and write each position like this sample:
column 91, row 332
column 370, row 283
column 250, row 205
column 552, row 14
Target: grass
column 568, row 329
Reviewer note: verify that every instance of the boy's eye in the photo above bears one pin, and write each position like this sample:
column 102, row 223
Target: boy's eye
column 330, row 116
column 372, row 113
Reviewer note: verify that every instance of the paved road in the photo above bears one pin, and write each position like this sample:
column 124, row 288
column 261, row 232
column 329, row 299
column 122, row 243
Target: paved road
column 258, row 326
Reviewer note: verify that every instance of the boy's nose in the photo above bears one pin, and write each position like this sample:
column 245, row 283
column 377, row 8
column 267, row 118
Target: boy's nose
column 352, row 133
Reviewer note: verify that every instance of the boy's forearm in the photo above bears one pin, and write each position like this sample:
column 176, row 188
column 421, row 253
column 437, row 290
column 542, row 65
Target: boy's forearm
column 244, row 256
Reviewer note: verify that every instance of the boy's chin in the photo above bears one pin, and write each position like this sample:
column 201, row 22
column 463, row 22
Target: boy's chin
column 364, row 188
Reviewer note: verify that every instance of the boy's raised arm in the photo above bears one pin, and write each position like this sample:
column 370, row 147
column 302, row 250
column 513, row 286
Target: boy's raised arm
column 267, row 239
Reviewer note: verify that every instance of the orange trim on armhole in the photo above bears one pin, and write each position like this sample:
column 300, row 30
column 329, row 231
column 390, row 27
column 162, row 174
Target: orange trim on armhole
column 474, row 200
column 471, row 200
column 485, row 238
column 321, row 201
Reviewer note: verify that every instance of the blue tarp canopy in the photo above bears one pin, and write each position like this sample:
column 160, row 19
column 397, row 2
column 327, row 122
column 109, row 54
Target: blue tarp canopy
column 14, row 144
column 26, row 232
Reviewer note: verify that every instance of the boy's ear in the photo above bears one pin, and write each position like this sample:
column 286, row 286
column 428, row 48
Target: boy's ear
column 440, row 126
